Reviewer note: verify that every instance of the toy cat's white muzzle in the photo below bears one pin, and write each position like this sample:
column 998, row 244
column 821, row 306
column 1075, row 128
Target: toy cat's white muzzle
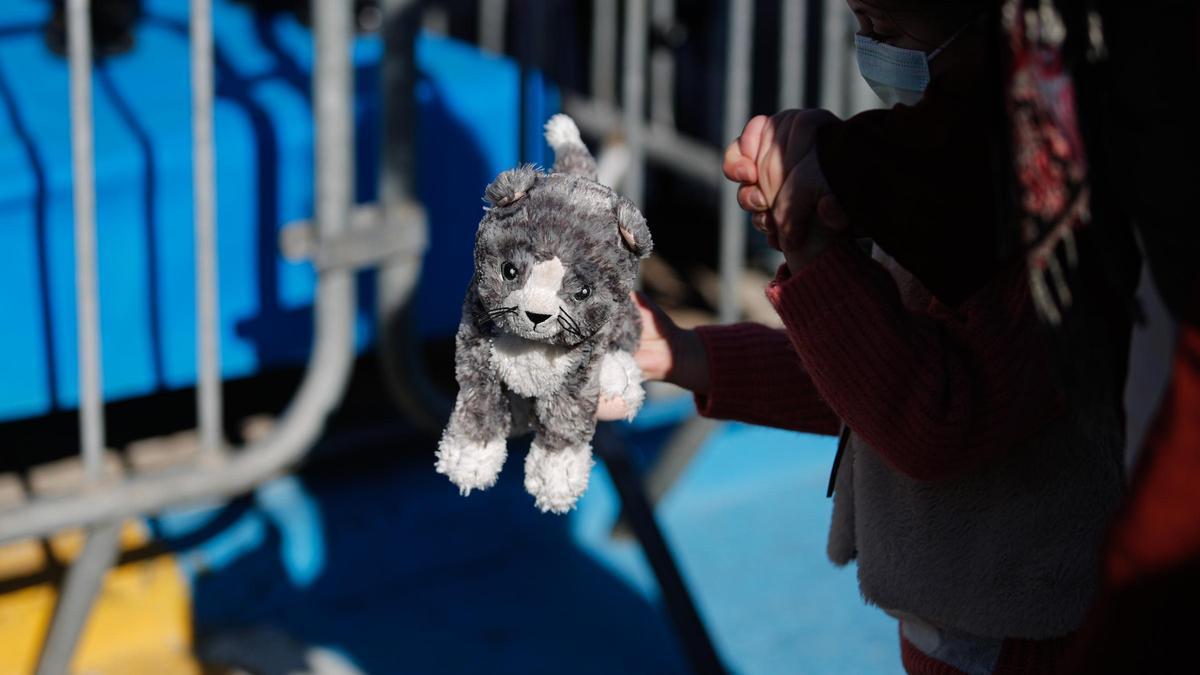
column 537, row 301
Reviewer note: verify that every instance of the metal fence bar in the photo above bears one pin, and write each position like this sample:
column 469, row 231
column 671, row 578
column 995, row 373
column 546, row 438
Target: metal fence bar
column 662, row 65
column 697, row 645
column 87, row 300
column 833, row 75
column 662, row 143
column 737, row 106
column 604, row 52
column 634, row 89
column 792, row 27
column 208, row 345
column 401, row 360
column 83, row 581
column 82, row 584
column 492, row 17
column 333, row 94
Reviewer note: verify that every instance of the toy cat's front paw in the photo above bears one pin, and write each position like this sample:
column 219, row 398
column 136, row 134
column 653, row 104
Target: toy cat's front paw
column 620, row 386
column 470, row 465
column 557, row 478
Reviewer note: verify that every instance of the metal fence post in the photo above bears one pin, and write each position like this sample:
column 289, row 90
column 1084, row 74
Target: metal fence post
column 662, row 65
column 401, row 361
column 604, row 52
column 86, row 575
column 792, row 28
column 493, row 17
column 87, row 308
column 737, row 106
column 76, row 597
column 634, row 89
column 208, row 345
column 835, row 61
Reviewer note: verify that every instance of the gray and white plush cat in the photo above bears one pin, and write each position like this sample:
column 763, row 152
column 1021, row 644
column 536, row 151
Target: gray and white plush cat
column 548, row 325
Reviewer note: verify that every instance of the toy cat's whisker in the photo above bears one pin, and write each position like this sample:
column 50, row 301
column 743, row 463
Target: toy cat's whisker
column 576, row 328
column 567, row 327
column 484, row 316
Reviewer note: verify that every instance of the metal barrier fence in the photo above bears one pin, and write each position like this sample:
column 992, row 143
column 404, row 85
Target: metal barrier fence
column 391, row 236
column 104, row 503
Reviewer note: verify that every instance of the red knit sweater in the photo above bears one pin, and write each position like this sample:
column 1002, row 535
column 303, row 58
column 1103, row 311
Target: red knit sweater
column 935, row 391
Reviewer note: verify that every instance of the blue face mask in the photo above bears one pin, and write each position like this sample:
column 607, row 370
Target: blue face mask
column 895, row 74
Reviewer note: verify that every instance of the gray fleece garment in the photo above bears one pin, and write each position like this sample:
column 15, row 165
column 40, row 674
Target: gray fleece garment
column 1010, row 550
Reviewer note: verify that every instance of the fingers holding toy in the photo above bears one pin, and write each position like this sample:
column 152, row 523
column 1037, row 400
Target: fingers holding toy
column 621, row 393
column 611, row 408
column 654, row 354
column 740, row 155
column 667, row 352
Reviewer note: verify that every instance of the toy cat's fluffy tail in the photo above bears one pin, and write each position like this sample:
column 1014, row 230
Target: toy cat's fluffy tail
column 570, row 154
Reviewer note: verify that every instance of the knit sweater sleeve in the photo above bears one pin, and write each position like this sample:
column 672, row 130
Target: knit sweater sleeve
column 934, row 392
column 756, row 377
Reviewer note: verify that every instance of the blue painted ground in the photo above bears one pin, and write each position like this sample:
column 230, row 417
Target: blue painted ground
column 382, row 561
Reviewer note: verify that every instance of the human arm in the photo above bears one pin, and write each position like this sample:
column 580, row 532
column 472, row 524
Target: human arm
column 936, row 391
column 745, row 372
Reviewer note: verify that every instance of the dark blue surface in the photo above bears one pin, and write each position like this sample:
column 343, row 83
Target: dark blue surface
column 386, row 564
column 394, row 570
column 469, row 112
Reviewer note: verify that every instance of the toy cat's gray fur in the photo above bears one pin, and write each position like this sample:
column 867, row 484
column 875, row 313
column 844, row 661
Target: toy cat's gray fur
column 547, row 324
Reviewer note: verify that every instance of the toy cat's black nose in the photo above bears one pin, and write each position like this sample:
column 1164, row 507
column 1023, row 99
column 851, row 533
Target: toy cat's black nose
column 537, row 318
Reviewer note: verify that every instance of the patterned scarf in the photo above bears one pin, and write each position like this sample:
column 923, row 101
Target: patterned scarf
column 1050, row 165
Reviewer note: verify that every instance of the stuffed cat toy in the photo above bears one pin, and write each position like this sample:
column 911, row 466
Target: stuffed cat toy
column 548, row 325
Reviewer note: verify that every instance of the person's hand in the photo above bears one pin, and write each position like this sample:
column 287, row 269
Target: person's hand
column 829, row 225
column 611, row 408
column 665, row 352
column 775, row 161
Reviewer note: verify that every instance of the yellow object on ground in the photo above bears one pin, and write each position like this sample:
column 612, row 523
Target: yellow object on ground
column 140, row 623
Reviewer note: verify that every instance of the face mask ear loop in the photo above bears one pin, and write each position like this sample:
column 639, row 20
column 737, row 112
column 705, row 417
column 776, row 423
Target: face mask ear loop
column 947, row 42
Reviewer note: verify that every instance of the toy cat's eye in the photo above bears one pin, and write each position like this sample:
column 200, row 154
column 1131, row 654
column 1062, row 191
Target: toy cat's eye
column 583, row 294
column 509, row 270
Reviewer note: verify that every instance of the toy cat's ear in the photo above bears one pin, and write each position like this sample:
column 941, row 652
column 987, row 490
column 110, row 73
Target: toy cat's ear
column 511, row 186
column 632, row 228
column 570, row 154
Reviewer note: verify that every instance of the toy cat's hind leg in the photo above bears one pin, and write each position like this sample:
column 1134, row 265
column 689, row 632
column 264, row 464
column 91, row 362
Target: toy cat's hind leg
column 474, row 445
column 560, row 457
